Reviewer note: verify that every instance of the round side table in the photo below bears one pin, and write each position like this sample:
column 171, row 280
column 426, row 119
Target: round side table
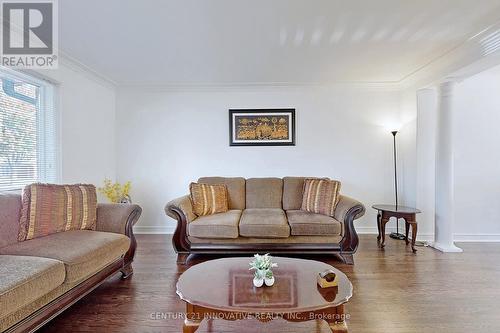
column 385, row 212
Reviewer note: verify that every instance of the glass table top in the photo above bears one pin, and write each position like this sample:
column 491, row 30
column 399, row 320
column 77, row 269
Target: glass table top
column 396, row 209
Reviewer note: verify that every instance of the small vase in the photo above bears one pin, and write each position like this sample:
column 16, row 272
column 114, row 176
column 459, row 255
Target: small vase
column 125, row 199
column 258, row 282
column 269, row 281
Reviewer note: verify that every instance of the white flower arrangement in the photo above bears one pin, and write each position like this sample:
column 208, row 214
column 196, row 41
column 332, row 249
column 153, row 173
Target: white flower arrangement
column 263, row 266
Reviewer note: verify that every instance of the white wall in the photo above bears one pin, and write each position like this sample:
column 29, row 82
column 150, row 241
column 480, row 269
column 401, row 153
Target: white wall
column 476, row 114
column 407, row 147
column 87, row 110
column 425, row 166
column 166, row 138
column 477, row 156
column 170, row 138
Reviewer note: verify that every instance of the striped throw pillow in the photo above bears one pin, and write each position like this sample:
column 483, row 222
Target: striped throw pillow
column 208, row 199
column 49, row 208
column 320, row 196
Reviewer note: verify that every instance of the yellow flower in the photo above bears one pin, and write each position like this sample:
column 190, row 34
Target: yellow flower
column 114, row 191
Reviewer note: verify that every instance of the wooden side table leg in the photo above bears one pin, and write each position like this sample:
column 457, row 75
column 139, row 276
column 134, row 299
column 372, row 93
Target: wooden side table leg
column 379, row 218
column 407, row 230
column 413, row 235
column 382, row 230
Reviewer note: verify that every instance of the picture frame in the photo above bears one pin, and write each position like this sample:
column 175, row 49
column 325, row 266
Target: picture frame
column 262, row 127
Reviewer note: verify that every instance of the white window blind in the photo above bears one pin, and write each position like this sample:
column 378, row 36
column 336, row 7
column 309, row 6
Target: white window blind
column 29, row 138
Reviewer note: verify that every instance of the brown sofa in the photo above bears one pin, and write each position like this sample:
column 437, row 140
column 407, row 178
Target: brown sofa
column 41, row 277
column 264, row 216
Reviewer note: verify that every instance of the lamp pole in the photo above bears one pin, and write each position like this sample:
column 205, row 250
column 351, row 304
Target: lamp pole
column 396, row 235
column 395, row 167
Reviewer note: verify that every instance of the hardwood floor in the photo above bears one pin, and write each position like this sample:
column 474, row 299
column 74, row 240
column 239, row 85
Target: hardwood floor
column 394, row 291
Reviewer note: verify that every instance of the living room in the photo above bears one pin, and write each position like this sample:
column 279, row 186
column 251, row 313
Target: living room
column 150, row 149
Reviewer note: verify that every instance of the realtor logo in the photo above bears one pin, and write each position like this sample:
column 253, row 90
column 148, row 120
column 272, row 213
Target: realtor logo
column 29, row 34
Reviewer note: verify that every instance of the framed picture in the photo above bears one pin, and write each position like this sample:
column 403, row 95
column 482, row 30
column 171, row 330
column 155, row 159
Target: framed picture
column 262, row 127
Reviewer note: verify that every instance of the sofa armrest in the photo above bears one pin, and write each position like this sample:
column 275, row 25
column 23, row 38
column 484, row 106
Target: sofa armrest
column 347, row 204
column 347, row 211
column 181, row 210
column 120, row 219
column 180, row 206
column 117, row 218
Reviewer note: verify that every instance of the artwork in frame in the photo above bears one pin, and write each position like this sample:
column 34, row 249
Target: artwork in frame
column 262, row 127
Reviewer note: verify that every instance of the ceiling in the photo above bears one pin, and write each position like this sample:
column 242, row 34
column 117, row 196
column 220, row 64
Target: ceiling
column 186, row 42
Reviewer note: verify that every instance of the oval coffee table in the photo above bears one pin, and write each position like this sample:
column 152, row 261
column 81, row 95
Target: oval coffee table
column 223, row 289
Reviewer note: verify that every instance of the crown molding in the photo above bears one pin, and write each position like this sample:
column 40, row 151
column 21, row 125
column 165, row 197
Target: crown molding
column 76, row 65
column 468, row 54
column 261, row 86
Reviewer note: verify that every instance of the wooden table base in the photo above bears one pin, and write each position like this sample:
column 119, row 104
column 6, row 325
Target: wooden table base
column 334, row 316
column 410, row 220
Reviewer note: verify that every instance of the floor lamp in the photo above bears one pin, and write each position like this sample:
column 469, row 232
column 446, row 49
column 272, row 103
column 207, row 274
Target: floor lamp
column 396, row 235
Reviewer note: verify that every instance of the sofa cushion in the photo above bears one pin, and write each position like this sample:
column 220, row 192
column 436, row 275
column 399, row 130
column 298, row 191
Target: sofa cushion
column 25, row 279
column 83, row 252
column 10, row 213
column 235, row 189
column 208, row 199
column 304, row 223
column 293, row 188
column 222, row 225
column 49, row 208
column 264, row 193
column 320, row 196
column 264, row 223
column 292, row 192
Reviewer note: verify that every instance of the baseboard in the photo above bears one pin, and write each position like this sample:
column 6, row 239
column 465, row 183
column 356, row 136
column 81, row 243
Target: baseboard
column 159, row 230
column 477, row 238
column 388, row 230
column 372, row 230
column 464, row 238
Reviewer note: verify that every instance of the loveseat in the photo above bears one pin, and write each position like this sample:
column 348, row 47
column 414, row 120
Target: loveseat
column 41, row 277
column 264, row 216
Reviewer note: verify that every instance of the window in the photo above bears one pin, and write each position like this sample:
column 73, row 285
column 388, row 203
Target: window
column 29, row 143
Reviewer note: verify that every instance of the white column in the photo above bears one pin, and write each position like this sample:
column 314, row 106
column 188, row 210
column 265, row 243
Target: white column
column 444, row 211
